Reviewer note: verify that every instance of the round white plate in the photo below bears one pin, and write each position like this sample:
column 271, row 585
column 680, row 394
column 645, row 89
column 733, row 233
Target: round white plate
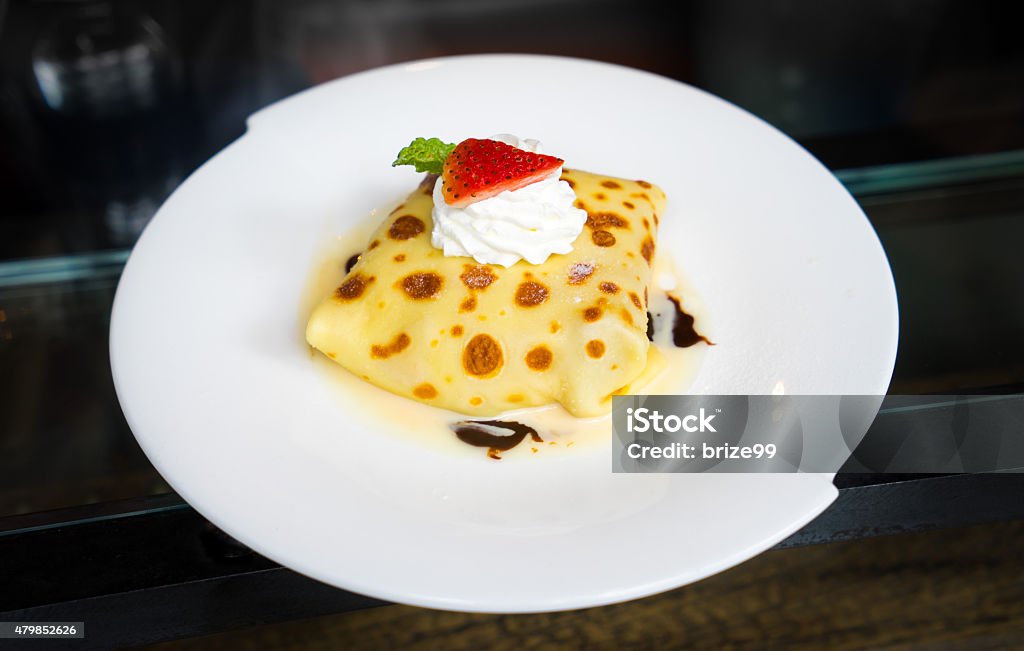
column 224, row 397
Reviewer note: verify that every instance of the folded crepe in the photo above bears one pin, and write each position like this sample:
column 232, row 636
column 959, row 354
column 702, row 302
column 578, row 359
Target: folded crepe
column 482, row 339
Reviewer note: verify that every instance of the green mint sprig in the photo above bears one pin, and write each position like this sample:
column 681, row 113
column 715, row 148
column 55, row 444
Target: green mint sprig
column 425, row 154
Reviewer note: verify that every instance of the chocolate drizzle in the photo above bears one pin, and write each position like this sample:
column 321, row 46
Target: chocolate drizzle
column 481, row 433
column 352, row 262
column 684, row 334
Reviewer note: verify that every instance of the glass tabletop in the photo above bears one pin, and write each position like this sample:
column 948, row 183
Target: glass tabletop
column 107, row 107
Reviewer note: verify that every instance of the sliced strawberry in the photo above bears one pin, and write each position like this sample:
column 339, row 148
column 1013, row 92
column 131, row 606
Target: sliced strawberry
column 478, row 169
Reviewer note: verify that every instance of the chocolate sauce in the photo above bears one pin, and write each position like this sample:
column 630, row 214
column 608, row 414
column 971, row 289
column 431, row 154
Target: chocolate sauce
column 352, row 262
column 474, row 432
column 684, row 334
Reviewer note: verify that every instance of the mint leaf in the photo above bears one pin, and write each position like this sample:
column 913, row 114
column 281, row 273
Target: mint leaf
column 425, row 154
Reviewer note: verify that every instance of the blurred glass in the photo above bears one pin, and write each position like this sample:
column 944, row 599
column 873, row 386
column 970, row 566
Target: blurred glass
column 108, row 82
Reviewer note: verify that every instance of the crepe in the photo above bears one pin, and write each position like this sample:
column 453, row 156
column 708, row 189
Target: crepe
column 482, row 339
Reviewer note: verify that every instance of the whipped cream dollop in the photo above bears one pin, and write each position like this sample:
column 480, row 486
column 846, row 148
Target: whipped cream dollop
column 530, row 223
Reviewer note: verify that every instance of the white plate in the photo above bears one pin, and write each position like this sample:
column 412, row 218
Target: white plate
column 225, row 399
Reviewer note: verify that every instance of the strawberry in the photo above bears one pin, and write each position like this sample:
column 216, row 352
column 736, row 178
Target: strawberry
column 478, row 169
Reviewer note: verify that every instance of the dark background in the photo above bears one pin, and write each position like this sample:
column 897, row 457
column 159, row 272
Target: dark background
column 106, row 106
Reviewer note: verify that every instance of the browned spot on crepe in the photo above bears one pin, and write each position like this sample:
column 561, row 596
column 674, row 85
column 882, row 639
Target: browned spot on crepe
column 612, row 185
column 602, row 238
column 626, row 316
column 531, row 293
column 605, row 220
column 468, row 305
column 482, row 356
column 422, row 285
column 457, row 331
column 555, row 327
column 636, row 299
column 477, row 276
column 609, row 287
column 643, row 184
column 628, row 204
column 647, row 249
column 539, row 358
column 515, row 397
column 595, row 348
column 397, row 345
column 400, row 257
column 600, row 196
column 579, row 272
column 475, row 400
column 592, row 314
column 406, row 227
column 353, row 288
column 425, row 391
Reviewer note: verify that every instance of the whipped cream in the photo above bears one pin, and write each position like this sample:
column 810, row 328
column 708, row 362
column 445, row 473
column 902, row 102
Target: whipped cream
column 530, row 223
